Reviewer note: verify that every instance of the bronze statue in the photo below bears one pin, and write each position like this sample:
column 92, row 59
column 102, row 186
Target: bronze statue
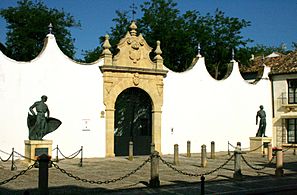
column 262, row 125
column 39, row 125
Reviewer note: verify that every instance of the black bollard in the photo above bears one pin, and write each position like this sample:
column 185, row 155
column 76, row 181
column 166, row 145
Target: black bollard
column 13, row 167
column 212, row 150
column 57, row 154
column 202, row 185
column 43, row 162
column 81, row 157
column 188, row 148
column 130, row 150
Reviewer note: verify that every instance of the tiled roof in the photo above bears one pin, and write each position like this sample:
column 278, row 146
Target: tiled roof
column 279, row 65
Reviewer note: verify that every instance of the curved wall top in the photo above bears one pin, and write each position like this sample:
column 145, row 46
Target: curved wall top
column 196, row 107
column 75, row 96
column 201, row 109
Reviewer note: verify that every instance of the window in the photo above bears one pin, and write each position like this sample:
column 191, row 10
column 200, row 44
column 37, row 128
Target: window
column 292, row 90
column 292, row 128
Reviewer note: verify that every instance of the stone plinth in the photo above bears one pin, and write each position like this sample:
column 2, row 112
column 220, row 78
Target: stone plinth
column 34, row 148
column 257, row 144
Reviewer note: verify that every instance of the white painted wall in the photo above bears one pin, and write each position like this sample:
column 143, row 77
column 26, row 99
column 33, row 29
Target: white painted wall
column 201, row 109
column 75, row 92
column 197, row 107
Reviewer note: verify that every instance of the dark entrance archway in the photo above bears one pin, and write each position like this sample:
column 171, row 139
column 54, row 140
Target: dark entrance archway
column 133, row 122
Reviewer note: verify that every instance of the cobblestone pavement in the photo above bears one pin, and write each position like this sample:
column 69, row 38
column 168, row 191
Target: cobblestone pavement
column 221, row 181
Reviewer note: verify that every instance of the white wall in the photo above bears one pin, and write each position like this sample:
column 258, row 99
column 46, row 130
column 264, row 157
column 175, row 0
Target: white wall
column 75, row 92
column 197, row 107
column 202, row 109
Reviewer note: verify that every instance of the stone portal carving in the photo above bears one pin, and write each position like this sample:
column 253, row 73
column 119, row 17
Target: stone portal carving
column 132, row 67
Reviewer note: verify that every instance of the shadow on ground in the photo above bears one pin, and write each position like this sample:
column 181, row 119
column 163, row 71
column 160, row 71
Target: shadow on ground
column 246, row 185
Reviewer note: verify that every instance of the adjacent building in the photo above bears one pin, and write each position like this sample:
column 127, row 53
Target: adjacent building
column 283, row 77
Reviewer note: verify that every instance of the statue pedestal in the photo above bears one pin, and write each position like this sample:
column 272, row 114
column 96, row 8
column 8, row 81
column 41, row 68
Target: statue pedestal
column 34, row 148
column 259, row 144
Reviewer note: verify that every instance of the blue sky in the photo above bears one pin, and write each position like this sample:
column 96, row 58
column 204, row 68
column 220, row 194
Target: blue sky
column 272, row 21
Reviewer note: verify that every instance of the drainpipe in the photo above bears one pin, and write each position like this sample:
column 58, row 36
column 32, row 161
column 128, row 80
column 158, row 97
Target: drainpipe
column 272, row 95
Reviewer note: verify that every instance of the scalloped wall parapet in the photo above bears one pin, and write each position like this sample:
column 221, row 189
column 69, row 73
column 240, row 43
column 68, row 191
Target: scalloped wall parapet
column 201, row 109
column 196, row 106
column 74, row 92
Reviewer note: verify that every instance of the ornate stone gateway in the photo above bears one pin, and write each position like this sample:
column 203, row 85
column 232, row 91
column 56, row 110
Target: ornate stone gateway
column 132, row 71
column 133, row 122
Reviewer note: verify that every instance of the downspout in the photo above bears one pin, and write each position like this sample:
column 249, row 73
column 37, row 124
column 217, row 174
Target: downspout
column 272, row 95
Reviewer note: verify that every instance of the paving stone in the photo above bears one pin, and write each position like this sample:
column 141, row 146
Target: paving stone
column 101, row 169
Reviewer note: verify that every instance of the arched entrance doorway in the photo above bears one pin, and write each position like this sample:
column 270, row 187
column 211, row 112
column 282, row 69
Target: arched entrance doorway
column 133, row 122
column 131, row 71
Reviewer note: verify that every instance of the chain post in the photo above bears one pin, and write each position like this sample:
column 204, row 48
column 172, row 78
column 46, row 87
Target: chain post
column 264, row 149
column 188, row 148
column 279, row 162
column 176, row 160
column 203, row 156
column 228, row 149
column 81, row 157
column 12, row 168
column 202, row 178
column 57, row 154
column 43, row 162
column 237, row 162
column 269, row 152
column 212, row 150
column 152, row 148
column 154, row 181
column 130, row 150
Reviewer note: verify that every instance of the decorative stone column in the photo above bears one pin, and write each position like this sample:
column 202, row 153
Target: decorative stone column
column 109, row 132
column 156, row 129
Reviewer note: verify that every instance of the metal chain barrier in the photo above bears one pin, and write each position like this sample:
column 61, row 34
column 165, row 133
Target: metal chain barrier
column 7, row 158
column 255, row 168
column 255, row 149
column 13, row 165
column 72, row 156
column 246, row 148
column 192, row 174
column 11, row 156
column 5, row 152
column 17, row 175
column 55, row 148
column 234, row 147
column 101, row 182
column 289, row 147
column 231, row 145
column 24, row 156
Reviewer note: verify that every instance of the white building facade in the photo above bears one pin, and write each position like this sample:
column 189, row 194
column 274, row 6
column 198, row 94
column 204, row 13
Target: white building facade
column 195, row 107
